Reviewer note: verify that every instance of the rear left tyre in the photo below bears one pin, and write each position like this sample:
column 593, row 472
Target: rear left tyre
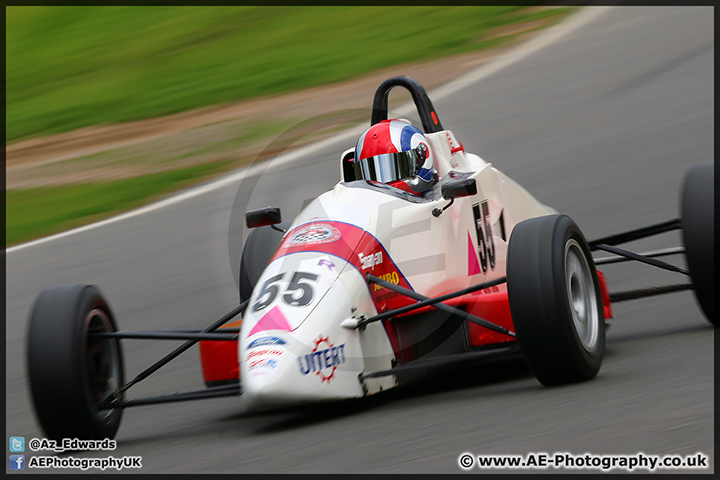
column 71, row 372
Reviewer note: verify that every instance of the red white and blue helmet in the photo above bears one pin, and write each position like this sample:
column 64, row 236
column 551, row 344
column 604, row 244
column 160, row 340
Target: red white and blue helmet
column 396, row 153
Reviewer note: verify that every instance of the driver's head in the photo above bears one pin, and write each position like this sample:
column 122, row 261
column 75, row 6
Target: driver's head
column 396, row 153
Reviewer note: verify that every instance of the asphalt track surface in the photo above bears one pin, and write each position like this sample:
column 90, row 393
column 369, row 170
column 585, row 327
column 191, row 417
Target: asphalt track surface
column 601, row 125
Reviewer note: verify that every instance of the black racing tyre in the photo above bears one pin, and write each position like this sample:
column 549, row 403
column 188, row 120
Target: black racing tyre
column 259, row 249
column 69, row 372
column 555, row 300
column 698, row 225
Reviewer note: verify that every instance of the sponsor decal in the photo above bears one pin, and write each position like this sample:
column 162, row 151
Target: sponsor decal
column 391, row 277
column 323, row 360
column 384, row 297
column 327, row 263
column 262, row 366
column 369, row 261
column 315, row 233
column 454, row 149
column 354, row 240
column 489, row 290
column 266, row 342
column 257, row 353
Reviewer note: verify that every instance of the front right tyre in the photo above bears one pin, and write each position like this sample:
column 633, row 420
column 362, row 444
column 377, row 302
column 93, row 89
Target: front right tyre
column 71, row 371
column 259, row 248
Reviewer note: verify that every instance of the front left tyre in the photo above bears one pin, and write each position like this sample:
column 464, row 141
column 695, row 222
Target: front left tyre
column 555, row 300
column 70, row 371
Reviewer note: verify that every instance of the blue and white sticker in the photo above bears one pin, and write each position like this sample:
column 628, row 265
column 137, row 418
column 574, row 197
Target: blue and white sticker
column 266, row 342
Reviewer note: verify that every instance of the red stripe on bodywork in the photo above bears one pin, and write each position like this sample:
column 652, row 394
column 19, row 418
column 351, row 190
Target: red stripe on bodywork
column 353, row 245
column 343, row 247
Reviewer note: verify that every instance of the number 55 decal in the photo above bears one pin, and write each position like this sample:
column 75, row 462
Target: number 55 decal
column 486, row 244
column 297, row 294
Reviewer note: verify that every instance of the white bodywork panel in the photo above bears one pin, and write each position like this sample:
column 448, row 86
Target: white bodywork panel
column 319, row 359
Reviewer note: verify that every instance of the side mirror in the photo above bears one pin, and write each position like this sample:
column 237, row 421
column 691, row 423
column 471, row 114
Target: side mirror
column 262, row 217
column 453, row 189
column 464, row 187
column 348, row 171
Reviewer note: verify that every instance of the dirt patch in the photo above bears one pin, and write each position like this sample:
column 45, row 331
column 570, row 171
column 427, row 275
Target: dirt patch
column 513, row 29
column 238, row 131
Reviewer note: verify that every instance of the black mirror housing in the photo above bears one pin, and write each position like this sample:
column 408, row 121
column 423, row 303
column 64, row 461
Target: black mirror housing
column 262, row 217
column 348, row 171
column 464, row 187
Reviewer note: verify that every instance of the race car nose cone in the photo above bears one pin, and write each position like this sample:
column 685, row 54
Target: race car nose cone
column 295, row 354
column 322, row 369
column 267, row 392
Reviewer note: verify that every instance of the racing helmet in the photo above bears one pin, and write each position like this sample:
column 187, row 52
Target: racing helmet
column 396, row 153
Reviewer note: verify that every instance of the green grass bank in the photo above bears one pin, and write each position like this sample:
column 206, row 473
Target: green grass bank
column 70, row 67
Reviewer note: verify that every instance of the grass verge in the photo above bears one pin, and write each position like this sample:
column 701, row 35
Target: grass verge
column 38, row 212
column 70, row 67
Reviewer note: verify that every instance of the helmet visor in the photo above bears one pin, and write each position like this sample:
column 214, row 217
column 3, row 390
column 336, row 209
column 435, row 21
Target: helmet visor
column 389, row 167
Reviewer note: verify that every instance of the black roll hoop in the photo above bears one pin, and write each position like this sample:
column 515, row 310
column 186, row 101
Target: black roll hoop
column 430, row 121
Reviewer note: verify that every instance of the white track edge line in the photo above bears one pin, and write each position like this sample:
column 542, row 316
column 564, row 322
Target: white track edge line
column 585, row 15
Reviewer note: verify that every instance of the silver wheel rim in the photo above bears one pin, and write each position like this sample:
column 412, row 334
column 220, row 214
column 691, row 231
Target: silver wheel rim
column 102, row 359
column 582, row 297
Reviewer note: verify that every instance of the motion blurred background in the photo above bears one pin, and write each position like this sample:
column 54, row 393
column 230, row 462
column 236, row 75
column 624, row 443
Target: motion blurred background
column 112, row 107
column 80, row 78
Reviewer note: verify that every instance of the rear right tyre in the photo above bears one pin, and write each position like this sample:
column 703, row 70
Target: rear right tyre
column 698, row 225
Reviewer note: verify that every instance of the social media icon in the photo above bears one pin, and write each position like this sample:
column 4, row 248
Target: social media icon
column 17, row 462
column 17, row 444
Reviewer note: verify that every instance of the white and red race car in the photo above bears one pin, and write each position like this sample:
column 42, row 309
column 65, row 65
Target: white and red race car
column 345, row 301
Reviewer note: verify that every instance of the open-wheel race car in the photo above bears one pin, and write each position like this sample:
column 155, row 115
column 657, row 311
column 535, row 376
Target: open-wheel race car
column 344, row 302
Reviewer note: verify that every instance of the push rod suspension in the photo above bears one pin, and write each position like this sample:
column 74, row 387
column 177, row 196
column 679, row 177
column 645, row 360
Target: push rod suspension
column 211, row 392
column 168, row 335
column 447, row 360
column 654, row 253
column 636, row 234
column 648, row 292
column 431, row 301
column 437, row 303
column 175, row 353
column 640, row 258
